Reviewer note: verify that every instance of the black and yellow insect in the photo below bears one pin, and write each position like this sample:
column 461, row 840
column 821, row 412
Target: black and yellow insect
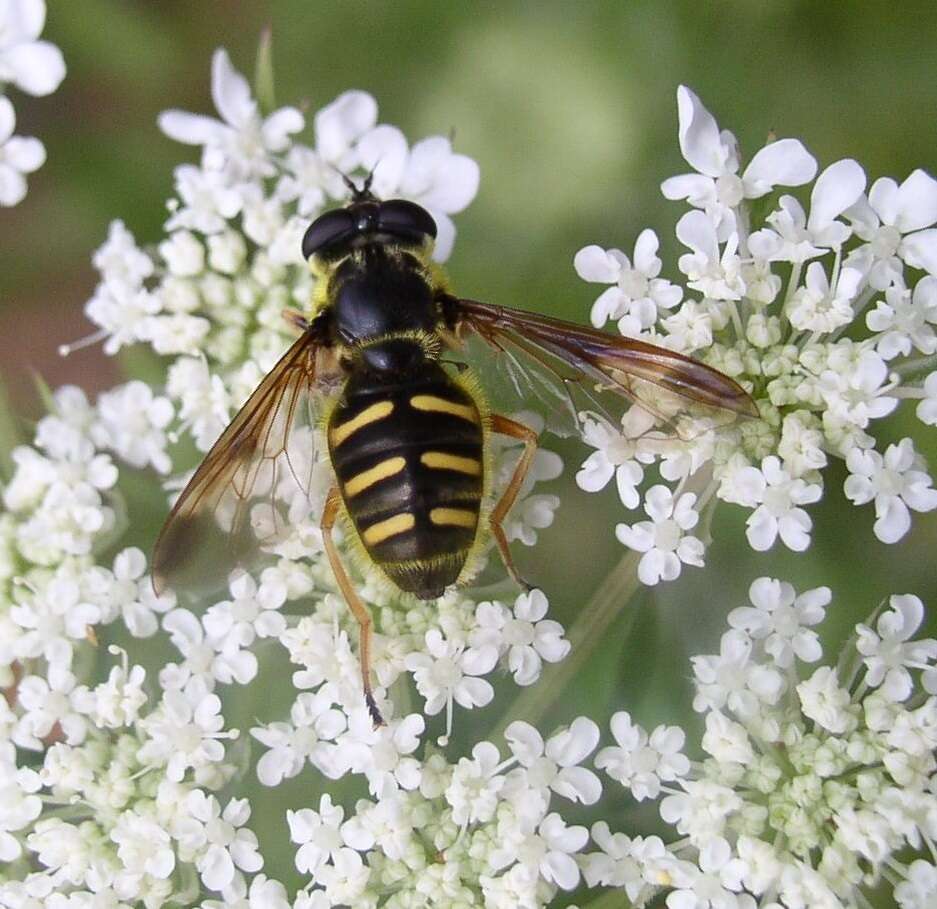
column 408, row 431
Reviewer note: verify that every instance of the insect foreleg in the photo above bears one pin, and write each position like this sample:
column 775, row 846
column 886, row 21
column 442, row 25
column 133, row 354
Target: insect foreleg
column 358, row 609
column 295, row 320
column 515, row 430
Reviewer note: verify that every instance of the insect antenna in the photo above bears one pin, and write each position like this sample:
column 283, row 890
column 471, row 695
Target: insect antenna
column 363, row 194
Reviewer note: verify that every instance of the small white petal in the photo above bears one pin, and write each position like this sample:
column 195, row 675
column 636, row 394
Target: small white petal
column 230, row 90
column 37, row 67
column 561, row 869
column 917, row 202
column 578, row 785
column 701, row 142
column 443, row 181
column 697, row 231
column 592, row 263
column 12, row 186
column 639, row 537
column 894, row 519
column 645, row 253
column 384, row 150
column 340, row 123
column 919, row 250
column 280, row 125
column 695, row 188
column 192, row 129
column 785, row 163
column 838, row 187
column 8, row 120
column 445, row 236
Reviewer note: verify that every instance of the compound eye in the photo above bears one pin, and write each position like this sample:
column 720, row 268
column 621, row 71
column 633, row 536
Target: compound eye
column 329, row 229
column 406, row 220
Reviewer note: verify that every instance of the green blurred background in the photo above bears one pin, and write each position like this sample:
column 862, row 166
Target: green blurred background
column 570, row 111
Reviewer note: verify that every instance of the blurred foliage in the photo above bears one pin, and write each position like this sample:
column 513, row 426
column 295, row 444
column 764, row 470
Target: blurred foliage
column 570, row 111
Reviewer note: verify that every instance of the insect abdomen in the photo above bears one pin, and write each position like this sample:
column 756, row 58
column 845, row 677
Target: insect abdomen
column 410, row 468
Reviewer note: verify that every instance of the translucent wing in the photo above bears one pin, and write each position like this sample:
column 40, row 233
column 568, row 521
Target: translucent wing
column 565, row 363
column 269, row 445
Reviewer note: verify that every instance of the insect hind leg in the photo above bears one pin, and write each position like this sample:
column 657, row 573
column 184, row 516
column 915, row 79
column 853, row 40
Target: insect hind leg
column 358, row 609
column 515, row 430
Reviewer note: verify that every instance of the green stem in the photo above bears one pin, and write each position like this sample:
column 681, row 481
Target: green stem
column 918, row 364
column 852, row 772
column 585, row 635
column 10, row 436
column 69, row 813
column 263, row 73
column 611, row 899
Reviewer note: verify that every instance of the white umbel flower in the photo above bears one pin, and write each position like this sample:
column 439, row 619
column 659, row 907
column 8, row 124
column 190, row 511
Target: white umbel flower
column 228, row 844
column 776, row 497
column 889, row 651
column 637, row 295
column 781, row 619
column 184, row 730
column 808, row 797
column 664, row 539
column 449, row 671
column 525, row 636
column 906, row 321
column 896, row 224
column 317, row 833
column 641, row 762
column 896, row 482
column 143, row 847
column 554, row 764
column 242, row 140
column 714, row 154
column 789, row 305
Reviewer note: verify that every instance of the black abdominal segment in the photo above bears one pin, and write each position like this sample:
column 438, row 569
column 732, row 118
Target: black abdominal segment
column 407, row 452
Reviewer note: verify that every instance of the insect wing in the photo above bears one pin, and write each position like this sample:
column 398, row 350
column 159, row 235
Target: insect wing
column 581, row 363
column 234, row 499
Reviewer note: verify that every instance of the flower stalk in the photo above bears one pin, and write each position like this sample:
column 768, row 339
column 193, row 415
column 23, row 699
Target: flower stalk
column 587, row 633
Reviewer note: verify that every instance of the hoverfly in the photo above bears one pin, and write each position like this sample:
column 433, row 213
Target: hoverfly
column 407, row 432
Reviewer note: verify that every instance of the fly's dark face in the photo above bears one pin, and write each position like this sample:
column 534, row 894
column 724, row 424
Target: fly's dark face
column 366, row 220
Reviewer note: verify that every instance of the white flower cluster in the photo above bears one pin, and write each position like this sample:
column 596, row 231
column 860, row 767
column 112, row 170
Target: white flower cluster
column 121, row 803
column 35, row 67
column 212, row 294
column 121, row 808
column 482, row 831
column 819, row 785
column 448, row 647
column 107, row 790
column 827, row 316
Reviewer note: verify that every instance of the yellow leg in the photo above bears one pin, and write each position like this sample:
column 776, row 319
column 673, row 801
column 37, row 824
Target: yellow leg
column 358, row 609
column 515, row 430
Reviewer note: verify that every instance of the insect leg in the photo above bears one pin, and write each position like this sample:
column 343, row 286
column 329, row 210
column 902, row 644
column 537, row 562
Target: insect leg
column 295, row 319
column 358, row 609
column 515, row 430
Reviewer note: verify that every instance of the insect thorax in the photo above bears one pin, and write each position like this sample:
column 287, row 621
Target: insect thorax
column 379, row 291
